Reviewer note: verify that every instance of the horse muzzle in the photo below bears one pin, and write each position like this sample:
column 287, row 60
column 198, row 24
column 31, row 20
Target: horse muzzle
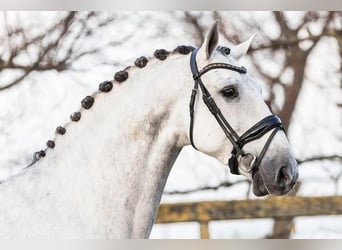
column 275, row 178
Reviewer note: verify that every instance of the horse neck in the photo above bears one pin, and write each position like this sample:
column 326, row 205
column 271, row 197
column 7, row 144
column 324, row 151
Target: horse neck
column 125, row 145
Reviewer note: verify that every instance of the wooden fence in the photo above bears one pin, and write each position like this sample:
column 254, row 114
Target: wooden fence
column 273, row 207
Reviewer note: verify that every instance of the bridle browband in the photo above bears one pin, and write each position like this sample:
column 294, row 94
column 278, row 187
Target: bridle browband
column 255, row 132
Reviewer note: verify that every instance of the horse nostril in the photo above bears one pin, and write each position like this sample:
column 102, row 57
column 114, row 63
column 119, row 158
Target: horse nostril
column 284, row 177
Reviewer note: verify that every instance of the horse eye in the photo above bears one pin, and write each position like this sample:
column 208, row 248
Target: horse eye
column 229, row 92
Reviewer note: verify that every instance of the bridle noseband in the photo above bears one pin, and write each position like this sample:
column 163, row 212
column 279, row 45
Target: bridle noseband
column 254, row 133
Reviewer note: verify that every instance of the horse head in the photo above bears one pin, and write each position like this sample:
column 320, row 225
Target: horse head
column 230, row 121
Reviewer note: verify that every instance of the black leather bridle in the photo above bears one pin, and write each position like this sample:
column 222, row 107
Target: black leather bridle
column 255, row 132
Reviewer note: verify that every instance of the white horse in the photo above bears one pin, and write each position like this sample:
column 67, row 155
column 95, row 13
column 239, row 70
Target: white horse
column 104, row 175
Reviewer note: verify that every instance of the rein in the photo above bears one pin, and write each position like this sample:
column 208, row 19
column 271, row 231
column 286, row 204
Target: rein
column 255, row 132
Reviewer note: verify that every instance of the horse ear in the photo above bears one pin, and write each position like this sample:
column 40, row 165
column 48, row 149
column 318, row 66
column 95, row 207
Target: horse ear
column 210, row 43
column 241, row 49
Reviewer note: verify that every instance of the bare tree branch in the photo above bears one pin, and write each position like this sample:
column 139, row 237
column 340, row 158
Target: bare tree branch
column 193, row 20
column 57, row 47
column 321, row 158
column 283, row 24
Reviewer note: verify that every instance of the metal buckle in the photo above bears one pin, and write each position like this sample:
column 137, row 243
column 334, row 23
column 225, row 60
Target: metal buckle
column 242, row 166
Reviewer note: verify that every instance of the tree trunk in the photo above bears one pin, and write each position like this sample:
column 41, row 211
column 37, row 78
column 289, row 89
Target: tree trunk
column 297, row 60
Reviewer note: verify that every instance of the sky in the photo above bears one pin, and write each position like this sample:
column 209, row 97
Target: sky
column 31, row 111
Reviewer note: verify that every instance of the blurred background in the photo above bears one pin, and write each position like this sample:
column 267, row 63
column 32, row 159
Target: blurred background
column 50, row 60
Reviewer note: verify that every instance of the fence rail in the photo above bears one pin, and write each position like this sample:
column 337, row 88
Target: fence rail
column 272, row 207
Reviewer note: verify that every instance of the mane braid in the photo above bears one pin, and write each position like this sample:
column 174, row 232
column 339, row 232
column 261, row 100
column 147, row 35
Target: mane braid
column 107, row 86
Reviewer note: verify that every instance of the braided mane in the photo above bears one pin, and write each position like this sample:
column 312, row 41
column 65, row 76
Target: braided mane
column 105, row 87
